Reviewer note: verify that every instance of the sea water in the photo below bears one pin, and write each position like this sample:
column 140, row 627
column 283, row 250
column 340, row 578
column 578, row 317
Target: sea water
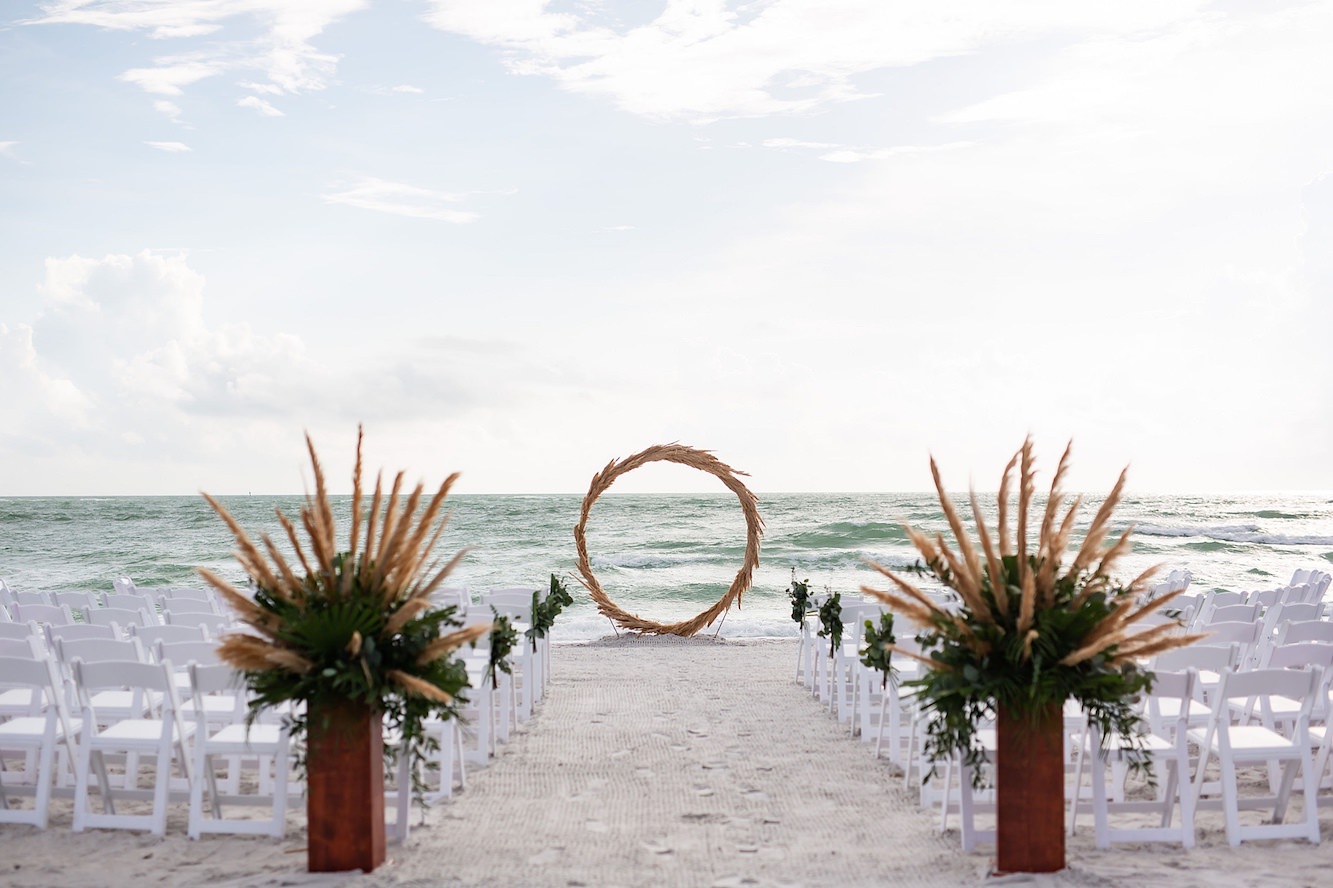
column 665, row 557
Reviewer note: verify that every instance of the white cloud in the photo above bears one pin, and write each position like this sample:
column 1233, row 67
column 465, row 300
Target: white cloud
column 123, row 384
column 169, row 147
column 170, row 109
column 406, row 88
column 283, row 51
column 855, row 154
column 171, row 75
column 260, row 105
column 402, row 200
column 705, row 59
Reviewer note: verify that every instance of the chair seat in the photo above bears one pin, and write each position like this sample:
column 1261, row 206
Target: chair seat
column 1169, row 707
column 140, row 732
column 32, row 728
column 1253, row 742
column 239, row 738
column 117, row 704
column 16, row 700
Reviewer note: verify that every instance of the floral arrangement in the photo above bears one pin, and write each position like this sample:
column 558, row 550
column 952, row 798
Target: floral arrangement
column 799, row 593
column 349, row 624
column 830, row 621
column 504, row 638
column 1030, row 630
column 545, row 610
column 878, row 653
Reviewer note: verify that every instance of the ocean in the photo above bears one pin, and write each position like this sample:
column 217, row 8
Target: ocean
column 665, row 556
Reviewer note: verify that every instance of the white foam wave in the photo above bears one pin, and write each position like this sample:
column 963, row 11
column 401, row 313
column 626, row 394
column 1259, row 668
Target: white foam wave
column 1235, row 533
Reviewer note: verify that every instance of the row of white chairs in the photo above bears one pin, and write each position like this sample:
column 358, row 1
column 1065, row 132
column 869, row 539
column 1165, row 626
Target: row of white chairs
column 881, row 712
column 492, row 709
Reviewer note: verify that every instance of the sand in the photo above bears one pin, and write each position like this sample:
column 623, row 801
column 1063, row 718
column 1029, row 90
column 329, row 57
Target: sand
column 659, row 762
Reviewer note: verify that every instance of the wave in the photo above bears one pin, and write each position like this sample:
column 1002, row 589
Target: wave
column 1236, row 533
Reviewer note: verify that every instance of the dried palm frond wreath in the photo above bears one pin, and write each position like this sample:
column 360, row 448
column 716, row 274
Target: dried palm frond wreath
column 695, row 459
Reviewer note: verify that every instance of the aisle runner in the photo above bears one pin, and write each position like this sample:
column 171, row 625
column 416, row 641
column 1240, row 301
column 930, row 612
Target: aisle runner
column 668, row 761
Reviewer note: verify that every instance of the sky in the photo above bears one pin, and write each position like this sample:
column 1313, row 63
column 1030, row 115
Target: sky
column 517, row 239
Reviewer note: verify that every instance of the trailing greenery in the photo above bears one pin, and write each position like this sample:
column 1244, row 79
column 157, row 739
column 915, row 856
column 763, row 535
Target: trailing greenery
column 830, row 621
column 1029, row 632
column 878, row 654
column 799, row 593
column 545, row 610
column 353, row 625
column 504, row 638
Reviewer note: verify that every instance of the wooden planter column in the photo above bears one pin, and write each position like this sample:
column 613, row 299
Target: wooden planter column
column 345, row 788
column 1030, row 792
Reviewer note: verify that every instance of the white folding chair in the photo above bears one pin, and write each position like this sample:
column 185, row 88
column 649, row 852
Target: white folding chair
column 1256, row 744
column 48, row 728
column 164, row 737
column 266, row 744
column 1168, row 747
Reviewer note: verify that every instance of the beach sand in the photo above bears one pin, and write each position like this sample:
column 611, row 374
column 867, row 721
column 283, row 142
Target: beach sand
column 659, row 762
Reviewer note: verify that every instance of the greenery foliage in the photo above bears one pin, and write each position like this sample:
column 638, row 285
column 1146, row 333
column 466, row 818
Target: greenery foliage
column 1030, row 632
column 878, row 653
column 799, row 593
column 830, row 621
column 504, row 638
column 545, row 610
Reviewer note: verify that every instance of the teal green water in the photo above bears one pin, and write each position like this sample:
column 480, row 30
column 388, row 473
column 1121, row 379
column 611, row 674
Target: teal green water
column 664, row 556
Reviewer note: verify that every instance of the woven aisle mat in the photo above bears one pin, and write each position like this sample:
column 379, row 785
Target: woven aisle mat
column 681, row 761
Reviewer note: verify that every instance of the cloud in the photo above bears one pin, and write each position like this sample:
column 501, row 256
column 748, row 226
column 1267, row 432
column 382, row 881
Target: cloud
column 259, row 105
column 169, row 147
column 702, row 61
column 282, row 51
column 406, row 88
column 122, row 370
column 170, row 109
column 854, row 154
column 402, row 200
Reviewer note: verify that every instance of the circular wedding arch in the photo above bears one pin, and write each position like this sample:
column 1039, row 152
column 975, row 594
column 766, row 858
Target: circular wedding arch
column 695, row 459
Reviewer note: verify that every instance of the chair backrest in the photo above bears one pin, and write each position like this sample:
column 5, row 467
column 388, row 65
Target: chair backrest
column 126, row 675
column 54, row 634
column 31, row 598
column 123, row 585
column 76, row 599
column 214, row 679
column 187, row 606
column 128, row 601
column 216, row 624
column 122, row 617
column 1199, row 657
column 96, row 650
column 1239, row 613
column 1265, row 597
column 25, row 648
column 58, row 615
column 1295, row 684
column 1304, row 630
column 1301, row 655
column 19, row 631
column 182, row 653
column 177, row 593
column 151, row 635
column 1245, row 633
